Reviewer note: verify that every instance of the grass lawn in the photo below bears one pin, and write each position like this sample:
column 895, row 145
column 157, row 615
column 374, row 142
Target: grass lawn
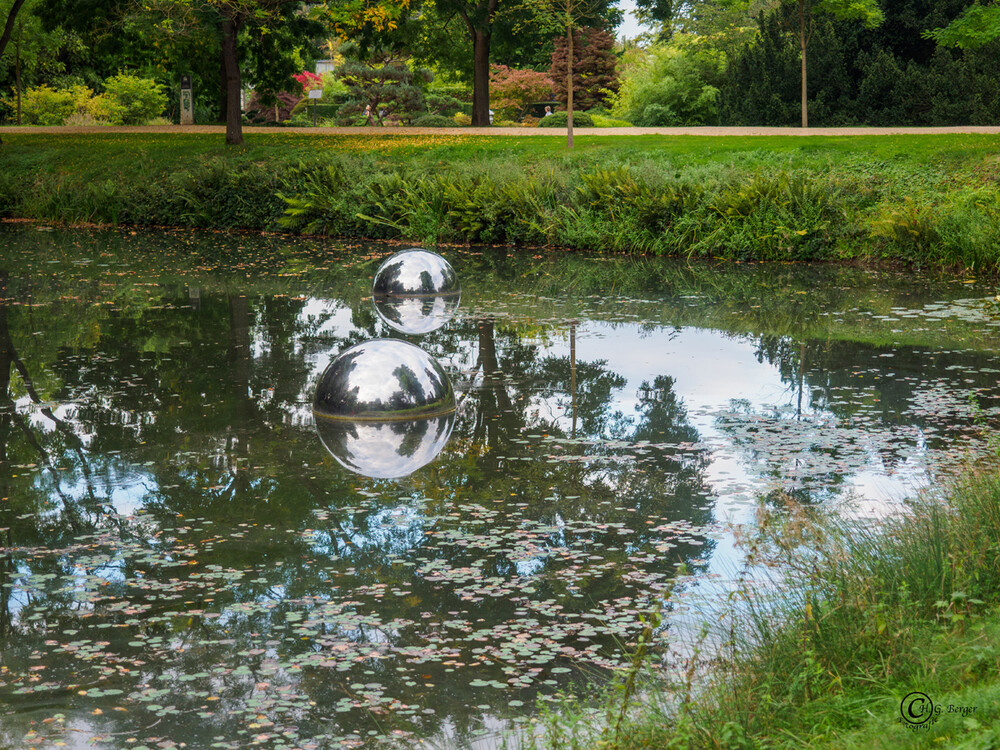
column 95, row 155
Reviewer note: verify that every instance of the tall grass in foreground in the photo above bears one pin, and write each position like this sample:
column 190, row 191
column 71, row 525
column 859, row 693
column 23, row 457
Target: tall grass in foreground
column 848, row 620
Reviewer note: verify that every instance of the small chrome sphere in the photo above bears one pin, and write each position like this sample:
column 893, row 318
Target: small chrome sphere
column 415, row 272
column 382, row 380
column 416, row 315
column 385, row 450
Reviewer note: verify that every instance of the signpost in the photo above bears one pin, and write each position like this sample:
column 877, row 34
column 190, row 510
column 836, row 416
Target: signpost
column 187, row 101
column 315, row 94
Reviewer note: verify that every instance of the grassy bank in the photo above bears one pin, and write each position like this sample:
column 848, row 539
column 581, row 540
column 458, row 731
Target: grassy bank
column 927, row 200
column 859, row 620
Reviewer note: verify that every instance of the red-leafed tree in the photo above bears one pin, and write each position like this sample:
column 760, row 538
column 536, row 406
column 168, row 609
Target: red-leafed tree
column 513, row 89
column 309, row 80
column 594, row 67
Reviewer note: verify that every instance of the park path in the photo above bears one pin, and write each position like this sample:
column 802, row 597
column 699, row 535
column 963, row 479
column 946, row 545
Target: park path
column 390, row 131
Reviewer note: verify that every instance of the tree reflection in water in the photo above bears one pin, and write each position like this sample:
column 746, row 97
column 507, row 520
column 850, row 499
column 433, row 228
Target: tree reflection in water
column 178, row 543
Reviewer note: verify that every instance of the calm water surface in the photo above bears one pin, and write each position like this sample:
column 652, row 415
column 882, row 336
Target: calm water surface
column 184, row 558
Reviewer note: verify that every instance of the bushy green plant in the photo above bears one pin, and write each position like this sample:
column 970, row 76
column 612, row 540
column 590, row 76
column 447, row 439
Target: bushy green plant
column 44, row 105
column 103, row 109
column 559, row 120
column 127, row 100
column 656, row 115
column 133, row 99
column 433, row 121
column 675, row 84
column 442, row 104
column 603, row 121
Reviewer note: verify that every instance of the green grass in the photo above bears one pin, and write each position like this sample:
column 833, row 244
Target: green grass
column 919, row 200
column 831, row 627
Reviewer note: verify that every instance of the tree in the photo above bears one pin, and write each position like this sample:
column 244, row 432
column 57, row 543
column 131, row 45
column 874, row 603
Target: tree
column 978, row 25
column 478, row 17
column 866, row 11
column 262, row 18
column 270, row 31
column 595, row 74
column 515, row 89
column 672, row 84
column 8, row 27
column 567, row 17
column 383, row 89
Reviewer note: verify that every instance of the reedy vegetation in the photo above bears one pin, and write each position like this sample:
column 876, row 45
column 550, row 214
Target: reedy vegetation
column 736, row 203
column 830, row 624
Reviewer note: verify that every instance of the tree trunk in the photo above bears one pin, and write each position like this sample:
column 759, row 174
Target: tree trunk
column 569, row 86
column 230, row 57
column 17, row 70
column 480, row 78
column 8, row 27
column 802, row 46
column 223, row 96
column 7, row 566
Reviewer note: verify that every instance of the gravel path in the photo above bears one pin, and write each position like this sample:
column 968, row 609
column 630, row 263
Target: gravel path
column 988, row 130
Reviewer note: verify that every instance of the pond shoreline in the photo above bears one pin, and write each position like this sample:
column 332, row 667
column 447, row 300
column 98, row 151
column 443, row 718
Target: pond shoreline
column 926, row 201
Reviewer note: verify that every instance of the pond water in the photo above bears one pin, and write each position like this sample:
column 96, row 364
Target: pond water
column 186, row 559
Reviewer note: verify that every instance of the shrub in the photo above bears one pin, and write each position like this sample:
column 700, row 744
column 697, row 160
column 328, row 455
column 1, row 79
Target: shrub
column 84, row 120
column 434, row 121
column 44, row 105
column 657, row 115
column 672, row 85
column 559, row 120
column 103, row 109
column 280, row 111
column 602, row 121
column 462, row 119
column 309, row 80
column 135, row 100
column 442, row 104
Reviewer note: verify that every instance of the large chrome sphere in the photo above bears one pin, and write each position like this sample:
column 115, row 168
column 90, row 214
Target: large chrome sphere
column 382, row 380
column 416, row 315
column 415, row 272
column 385, row 450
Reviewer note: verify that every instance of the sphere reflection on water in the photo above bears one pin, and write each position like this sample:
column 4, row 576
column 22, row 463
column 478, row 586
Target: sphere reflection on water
column 415, row 272
column 416, row 315
column 385, row 450
column 383, row 379
column 384, row 408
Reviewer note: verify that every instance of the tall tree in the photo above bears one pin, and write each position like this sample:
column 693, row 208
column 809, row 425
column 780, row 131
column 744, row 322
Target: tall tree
column 260, row 33
column 567, row 18
column 262, row 18
column 478, row 17
column 866, row 11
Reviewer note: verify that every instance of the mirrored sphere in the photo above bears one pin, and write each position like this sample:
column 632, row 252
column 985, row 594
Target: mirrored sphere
column 415, row 272
column 385, row 450
column 416, row 315
column 381, row 380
